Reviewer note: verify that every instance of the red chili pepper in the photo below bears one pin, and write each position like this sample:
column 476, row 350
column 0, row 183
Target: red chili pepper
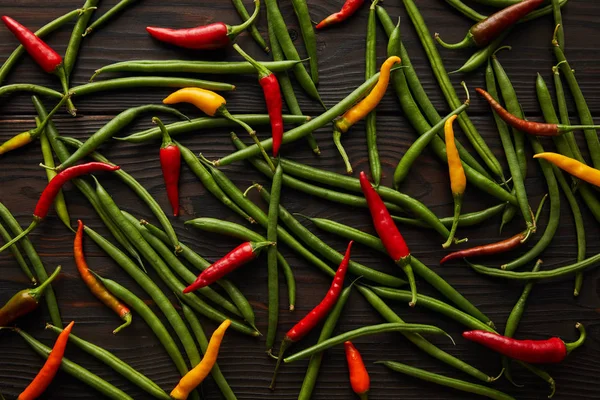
column 306, row 324
column 272, row 92
column 237, row 257
column 46, row 375
column 54, row 186
column 489, row 249
column 552, row 350
column 532, row 128
column 482, row 33
column 43, row 54
column 348, row 9
column 170, row 162
column 359, row 376
column 24, row 301
column 206, row 37
column 388, row 232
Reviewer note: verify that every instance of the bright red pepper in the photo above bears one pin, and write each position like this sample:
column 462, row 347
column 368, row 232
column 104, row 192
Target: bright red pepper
column 388, row 232
column 348, row 9
column 552, row 350
column 359, row 376
column 206, row 37
column 43, row 54
column 54, row 186
column 272, row 92
column 170, row 162
column 317, row 314
column 237, row 257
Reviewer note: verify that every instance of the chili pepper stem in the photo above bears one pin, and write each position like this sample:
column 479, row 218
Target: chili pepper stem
column 38, row 291
column 34, row 223
column 337, row 140
column 458, row 199
column 404, row 263
column 284, row 346
column 582, row 336
column 256, row 186
column 237, row 29
column 263, row 72
column 463, row 44
column 127, row 318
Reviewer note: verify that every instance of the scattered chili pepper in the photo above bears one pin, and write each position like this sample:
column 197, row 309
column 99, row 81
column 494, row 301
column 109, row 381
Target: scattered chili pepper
column 170, row 162
column 237, row 257
column 387, row 230
column 482, row 33
column 532, row 128
column 552, row 350
column 94, row 285
column 44, row 378
column 573, row 167
column 205, row 37
column 319, row 312
column 24, row 301
column 458, row 180
column 489, row 249
column 359, row 377
column 201, row 371
column 364, row 107
column 348, row 9
column 49, row 194
column 272, row 92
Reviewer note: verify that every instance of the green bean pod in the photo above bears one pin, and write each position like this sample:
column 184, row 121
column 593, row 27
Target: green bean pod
column 371, row 118
column 564, row 113
column 118, row 365
column 116, row 9
column 243, row 12
column 76, row 370
column 465, row 220
column 30, row 88
column 308, row 34
column 272, row 272
column 17, row 255
column 481, row 56
column 76, row 37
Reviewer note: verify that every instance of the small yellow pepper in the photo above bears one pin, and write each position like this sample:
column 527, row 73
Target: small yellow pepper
column 363, row 107
column 195, row 377
column 16, row 141
column 573, row 167
column 207, row 101
column 458, row 180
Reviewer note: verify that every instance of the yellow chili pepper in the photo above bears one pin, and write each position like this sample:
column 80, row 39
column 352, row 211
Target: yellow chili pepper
column 16, row 141
column 195, row 377
column 458, row 180
column 364, row 107
column 573, row 167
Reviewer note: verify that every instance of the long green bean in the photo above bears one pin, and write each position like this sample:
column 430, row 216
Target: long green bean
column 308, row 34
column 147, row 81
column 272, row 272
column 465, row 220
column 371, row 118
column 116, row 9
column 17, row 255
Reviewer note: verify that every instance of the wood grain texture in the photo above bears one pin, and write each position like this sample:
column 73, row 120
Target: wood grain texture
column 552, row 310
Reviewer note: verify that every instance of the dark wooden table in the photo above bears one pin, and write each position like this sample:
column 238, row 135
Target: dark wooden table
column 552, row 310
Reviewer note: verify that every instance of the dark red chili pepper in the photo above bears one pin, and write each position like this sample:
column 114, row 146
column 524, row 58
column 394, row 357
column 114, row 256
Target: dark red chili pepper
column 552, row 350
column 388, row 232
column 532, row 128
column 25, row 301
column 272, row 92
column 489, row 249
column 206, row 37
column 483, row 32
column 170, row 162
column 348, row 9
column 359, row 376
column 43, row 54
column 49, row 194
column 237, row 257
column 306, row 324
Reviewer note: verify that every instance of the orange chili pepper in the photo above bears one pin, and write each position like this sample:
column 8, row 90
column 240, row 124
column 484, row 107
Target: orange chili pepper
column 94, row 285
column 364, row 107
column 50, row 368
column 573, row 167
column 359, row 376
column 458, row 180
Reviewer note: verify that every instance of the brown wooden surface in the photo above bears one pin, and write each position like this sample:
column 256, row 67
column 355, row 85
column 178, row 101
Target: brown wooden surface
column 552, row 310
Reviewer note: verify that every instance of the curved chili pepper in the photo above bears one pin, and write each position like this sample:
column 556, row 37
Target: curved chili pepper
column 318, row 313
column 458, row 180
column 489, row 249
column 205, row 37
column 389, row 234
column 573, row 167
column 237, row 257
column 52, row 189
column 482, row 33
column 170, row 162
column 44, row 378
column 364, row 107
column 532, row 128
column 348, row 9
column 96, row 287
column 552, row 350
column 24, row 301
column 359, row 377
column 272, row 92
column 201, row 371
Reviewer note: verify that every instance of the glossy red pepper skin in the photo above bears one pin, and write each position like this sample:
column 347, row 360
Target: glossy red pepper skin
column 237, row 257
column 205, row 37
column 359, row 376
column 488, row 249
column 43, row 54
column 170, row 163
column 272, row 93
column 552, row 350
column 348, row 9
